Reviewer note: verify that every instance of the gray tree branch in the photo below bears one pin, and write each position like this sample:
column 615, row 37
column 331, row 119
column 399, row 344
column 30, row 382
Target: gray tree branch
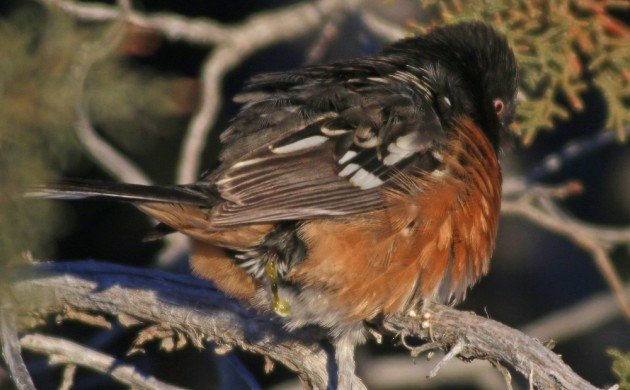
column 170, row 307
column 71, row 354
column 11, row 351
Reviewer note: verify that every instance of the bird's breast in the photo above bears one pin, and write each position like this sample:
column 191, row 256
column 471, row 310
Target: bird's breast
column 434, row 238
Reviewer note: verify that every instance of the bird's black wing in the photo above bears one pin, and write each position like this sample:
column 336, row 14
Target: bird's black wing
column 323, row 141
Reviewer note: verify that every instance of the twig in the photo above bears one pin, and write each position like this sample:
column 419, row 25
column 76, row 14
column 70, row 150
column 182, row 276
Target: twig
column 215, row 67
column 570, row 152
column 505, row 373
column 576, row 320
column 243, row 373
column 536, row 203
column 385, row 372
column 11, row 351
column 484, row 338
column 330, row 30
column 596, row 240
column 99, row 149
column 69, row 353
column 67, row 380
column 383, row 28
column 234, row 44
column 185, row 304
column 453, row 352
column 557, row 161
column 560, row 326
column 103, row 153
column 172, row 26
column 175, row 246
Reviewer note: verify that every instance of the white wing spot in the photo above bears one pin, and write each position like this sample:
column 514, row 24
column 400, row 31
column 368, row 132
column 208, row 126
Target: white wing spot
column 394, row 158
column 245, row 163
column 350, row 168
column 365, row 180
column 304, row 143
column 346, row 157
column 407, row 142
column 333, row 133
column 396, row 153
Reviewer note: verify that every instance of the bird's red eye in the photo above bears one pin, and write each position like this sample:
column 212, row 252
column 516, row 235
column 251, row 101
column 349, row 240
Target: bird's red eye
column 499, row 106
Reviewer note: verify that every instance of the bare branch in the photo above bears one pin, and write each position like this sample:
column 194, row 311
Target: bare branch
column 175, row 246
column 574, row 321
column 113, row 161
column 176, row 304
column 555, row 162
column 222, row 60
column 452, row 353
column 235, row 44
column 183, row 304
column 262, row 30
column 71, row 354
column 596, row 240
column 572, row 151
column 12, row 352
column 67, row 380
column 172, row 26
column 400, row 372
column 483, row 338
column 537, row 204
column 383, row 28
column 328, row 33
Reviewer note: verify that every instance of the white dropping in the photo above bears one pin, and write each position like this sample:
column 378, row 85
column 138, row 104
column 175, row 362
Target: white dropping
column 350, row 168
column 365, row 180
column 346, row 157
column 447, row 101
column 304, row 143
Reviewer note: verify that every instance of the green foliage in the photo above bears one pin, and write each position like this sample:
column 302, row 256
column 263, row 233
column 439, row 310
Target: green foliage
column 39, row 93
column 31, row 130
column 562, row 47
column 621, row 367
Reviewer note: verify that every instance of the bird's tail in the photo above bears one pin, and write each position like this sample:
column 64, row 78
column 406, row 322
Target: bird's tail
column 85, row 189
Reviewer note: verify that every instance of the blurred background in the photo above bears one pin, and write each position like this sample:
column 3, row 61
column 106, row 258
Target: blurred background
column 136, row 89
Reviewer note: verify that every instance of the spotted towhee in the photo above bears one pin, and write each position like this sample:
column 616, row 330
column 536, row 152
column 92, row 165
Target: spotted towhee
column 351, row 190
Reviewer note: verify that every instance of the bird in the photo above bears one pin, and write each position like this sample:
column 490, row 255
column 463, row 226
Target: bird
column 352, row 190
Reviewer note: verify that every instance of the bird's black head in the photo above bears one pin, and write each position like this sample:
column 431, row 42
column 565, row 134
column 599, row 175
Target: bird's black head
column 476, row 57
